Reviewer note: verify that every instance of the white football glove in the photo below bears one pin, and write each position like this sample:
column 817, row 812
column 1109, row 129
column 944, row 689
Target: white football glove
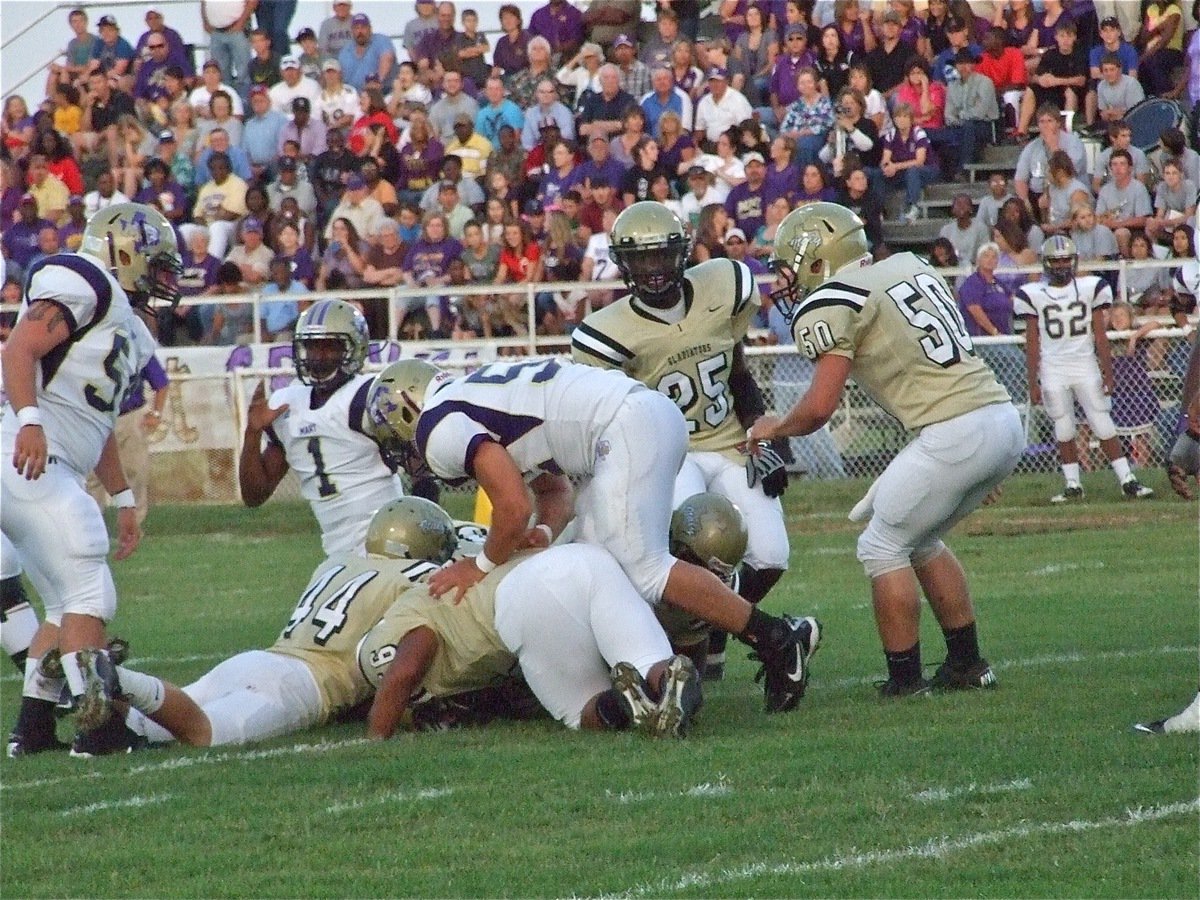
column 766, row 467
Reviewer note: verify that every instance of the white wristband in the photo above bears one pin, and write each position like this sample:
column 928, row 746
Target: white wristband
column 484, row 564
column 29, row 415
column 124, row 499
column 547, row 530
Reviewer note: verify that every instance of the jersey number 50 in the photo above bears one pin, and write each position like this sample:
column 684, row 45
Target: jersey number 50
column 946, row 340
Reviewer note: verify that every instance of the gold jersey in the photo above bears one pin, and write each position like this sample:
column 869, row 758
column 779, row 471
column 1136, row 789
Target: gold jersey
column 346, row 596
column 470, row 654
column 689, row 360
column 901, row 325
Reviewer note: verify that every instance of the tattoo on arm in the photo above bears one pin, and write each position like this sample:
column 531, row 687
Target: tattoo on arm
column 45, row 310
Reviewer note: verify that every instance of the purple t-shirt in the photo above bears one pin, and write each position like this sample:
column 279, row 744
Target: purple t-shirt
column 783, row 184
column 783, row 77
column 612, row 171
column 425, row 256
column 561, row 26
column 196, row 277
column 995, row 301
column 855, row 40
column 418, row 168
column 912, row 31
column 303, row 269
column 21, row 241
column 511, row 56
column 904, row 149
column 747, row 206
column 670, row 159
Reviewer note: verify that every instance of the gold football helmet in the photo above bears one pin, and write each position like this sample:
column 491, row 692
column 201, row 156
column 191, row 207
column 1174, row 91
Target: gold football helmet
column 813, row 242
column 394, row 403
column 319, row 328
column 650, row 246
column 412, row 528
column 137, row 245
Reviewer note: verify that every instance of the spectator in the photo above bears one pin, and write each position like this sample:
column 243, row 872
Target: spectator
column 520, row 263
column 251, row 256
column 604, row 199
column 1033, row 163
column 501, row 111
column 337, row 102
column 1123, row 204
column 603, row 113
column 225, row 22
column 59, row 160
column 783, row 173
column 1174, row 146
column 971, row 109
column 471, row 148
column 958, row 38
column 675, row 147
column 561, row 176
column 20, row 237
column 336, row 32
column 104, row 196
column 888, row 61
column 762, row 245
column 70, row 235
column 600, row 165
column 112, row 55
column 709, row 241
column 1120, row 137
column 729, row 170
column 747, row 202
column 665, row 97
column 219, row 142
column 263, row 70
column 78, row 54
column 261, row 134
column 420, row 160
column 1019, row 24
column 312, row 60
column 546, row 109
column 452, row 104
column 1014, row 251
column 288, row 184
column 1060, row 78
column 1174, row 202
column 582, row 73
column 68, row 113
column 808, row 121
column 721, row 109
column 427, row 265
column 357, row 207
column 926, row 97
column 293, row 87
column 855, row 194
column 472, row 45
column 279, row 317
column 854, row 140
column 561, row 25
column 633, row 74
column 1160, row 43
column 344, row 257
column 656, row 51
column 366, row 54
column 598, row 265
column 450, row 206
column 221, row 118
column 1093, row 241
column 753, row 58
column 481, row 257
column 1116, row 93
column 185, row 137
column 309, row 134
column 832, row 61
column 274, row 19
column 1146, row 288
column 522, row 87
column 232, row 323
column 688, row 77
column 189, row 324
column 1014, row 210
column 986, row 303
column 737, row 247
column 1112, row 41
column 288, row 244
column 220, row 203
column 633, row 131
column 163, row 192
column 436, row 43
column 635, row 184
column 512, row 47
column 534, row 219
column 384, row 268
column 1063, row 193
column 469, row 192
column 1005, row 66
column 103, row 108
column 373, row 126
column 965, row 235
column 152, row 70
column 180, row 164
column 855, row 27
column 201, row 97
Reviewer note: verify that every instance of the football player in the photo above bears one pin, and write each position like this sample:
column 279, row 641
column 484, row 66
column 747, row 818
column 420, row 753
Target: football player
column 1068, row 361
column 546, row 420
column 310, row 674
column 588, row 646
column 67, row 365
column 896, row 328
column 680, row 331
column 316, row 426
column 18, row 620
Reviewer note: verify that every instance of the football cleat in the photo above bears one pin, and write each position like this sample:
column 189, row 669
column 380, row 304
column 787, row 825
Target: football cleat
column 682, row 697
column 1071, row 493
column 28, row 744
column 810, row 637
column 100, row 688
column 1135, row 490
column 978, row 675
column 1159, row 727
column 893, row 688
column 784, row 670
column 113, row 736
column 633, row 690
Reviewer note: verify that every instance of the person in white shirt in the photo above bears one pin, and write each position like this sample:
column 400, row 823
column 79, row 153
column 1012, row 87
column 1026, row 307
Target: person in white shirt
column 337, row 103
column 105, row 195
column 294, row 85
column 201, row 96
column 719, row 110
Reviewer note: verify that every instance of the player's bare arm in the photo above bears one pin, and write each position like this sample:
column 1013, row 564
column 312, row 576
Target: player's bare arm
column 500, row 478
column 554, row 502
column 112, row 476
column 260, row 471
column 814, row 409
column 414, row 655
column 43, row 327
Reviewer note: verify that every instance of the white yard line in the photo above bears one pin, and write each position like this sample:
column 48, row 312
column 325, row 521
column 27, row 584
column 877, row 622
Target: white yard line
column 935, row 848
column 205, row 759
column 390, row 797
column 718, row 788
column 940, row 794
column 125, row 803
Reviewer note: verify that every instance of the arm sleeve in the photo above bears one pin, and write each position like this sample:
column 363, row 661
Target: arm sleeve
column 748, row 403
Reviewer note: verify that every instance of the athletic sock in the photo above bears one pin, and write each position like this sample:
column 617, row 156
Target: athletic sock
column 38, row 686
column 76, row 676
column 904, row 666
column 1071, row 472
column 612, row 710
column 764, row 632
column 1120, row 466
column 962, row 646
column 144, row 692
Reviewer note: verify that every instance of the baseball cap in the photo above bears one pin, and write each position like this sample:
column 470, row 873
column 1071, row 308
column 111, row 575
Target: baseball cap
column 697, row 172
column 753, row 156
column 360, row 19
column 301, row 103
column 331, row 64
column 892, row 17
column 1110, row 22
column 153, row 11
column 166, row 135
column 966, row 54
column 717, row 72
column 599, row 181
column 251, row 224
column 211, row 64
column 354, row 182
column 107, row 20
column 622, row 40
column 534, row 208
column 735, row 233
column 305, row 33
column 287, row 164
column 797, row 28
column 259, row 90
column 75, row 200
column 29, row 198
column 289, row 62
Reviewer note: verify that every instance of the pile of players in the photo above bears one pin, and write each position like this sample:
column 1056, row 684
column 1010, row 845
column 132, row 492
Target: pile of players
column 585, row 462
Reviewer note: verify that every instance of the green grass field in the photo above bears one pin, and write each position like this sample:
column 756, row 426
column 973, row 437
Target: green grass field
column 1089, row 616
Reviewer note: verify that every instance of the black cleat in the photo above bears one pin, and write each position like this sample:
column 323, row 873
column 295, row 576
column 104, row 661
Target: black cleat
column 682, row 697
column 1072, row 493
column 949, row 677
column 784, row 670
column 892, row 688
column 1135, row 490
column 34, row 742
column 114, row 736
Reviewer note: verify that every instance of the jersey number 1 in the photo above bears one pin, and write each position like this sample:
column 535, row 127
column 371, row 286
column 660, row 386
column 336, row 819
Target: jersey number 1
column 325, row 487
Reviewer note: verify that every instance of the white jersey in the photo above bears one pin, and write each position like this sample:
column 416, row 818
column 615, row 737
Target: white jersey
column 341, row 471
column 548, row 414
column 82, row 381
column 1187, row 278
column 1064, row 320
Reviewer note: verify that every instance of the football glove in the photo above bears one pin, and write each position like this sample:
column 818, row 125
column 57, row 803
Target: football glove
column 1184, row 463
column 766, row 467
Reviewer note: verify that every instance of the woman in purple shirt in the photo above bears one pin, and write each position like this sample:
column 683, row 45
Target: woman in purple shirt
column 987, row 308
column 420, row 160
column 512, row 48
column 855, row 37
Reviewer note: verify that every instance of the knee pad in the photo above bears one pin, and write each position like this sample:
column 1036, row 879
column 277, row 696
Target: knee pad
column 1103, row 426
column 927, row 553
column 1064, row 428
column 753, row 584
column 877, row 556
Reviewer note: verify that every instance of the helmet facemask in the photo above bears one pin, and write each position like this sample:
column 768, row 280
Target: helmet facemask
column 654, row 272
column 161, row 282
column 320, row 359
column 1060, row 270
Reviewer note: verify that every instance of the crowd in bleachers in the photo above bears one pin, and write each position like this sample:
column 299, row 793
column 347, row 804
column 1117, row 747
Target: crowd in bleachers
column 333, row 156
